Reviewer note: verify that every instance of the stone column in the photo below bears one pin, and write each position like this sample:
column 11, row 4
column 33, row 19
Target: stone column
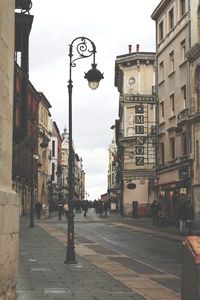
column 9, row 203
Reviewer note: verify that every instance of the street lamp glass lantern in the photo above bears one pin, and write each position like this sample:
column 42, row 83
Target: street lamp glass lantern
column 93, row 76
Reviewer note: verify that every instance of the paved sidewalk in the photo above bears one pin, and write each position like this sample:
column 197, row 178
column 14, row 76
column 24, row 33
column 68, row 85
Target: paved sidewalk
column 43, row 274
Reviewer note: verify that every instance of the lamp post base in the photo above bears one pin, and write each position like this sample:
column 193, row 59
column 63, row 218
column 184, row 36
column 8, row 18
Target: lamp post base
column 71, row 256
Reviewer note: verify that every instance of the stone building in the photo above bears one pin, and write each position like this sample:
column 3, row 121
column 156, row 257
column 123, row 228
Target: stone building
column 193, row 56
column 78, row 171
column 113, row 187
column 176, row 33
column 44, row 136
column 9, row 202
column 136, row 129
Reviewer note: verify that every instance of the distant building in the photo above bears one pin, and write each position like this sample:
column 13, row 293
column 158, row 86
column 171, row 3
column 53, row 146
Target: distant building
column 78, row 171
column 136, row 127
column 44, row 137
column 113, row 166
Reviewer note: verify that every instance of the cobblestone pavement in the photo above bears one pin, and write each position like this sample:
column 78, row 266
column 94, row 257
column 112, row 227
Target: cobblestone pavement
column 43, row 274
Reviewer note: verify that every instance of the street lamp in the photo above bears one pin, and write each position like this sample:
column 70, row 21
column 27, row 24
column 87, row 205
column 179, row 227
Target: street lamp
column 84, row 48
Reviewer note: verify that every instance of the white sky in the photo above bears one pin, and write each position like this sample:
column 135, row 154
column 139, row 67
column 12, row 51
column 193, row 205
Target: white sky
column 112, row 25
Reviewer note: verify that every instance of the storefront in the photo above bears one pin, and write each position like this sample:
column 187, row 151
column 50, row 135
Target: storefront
column 172, row 194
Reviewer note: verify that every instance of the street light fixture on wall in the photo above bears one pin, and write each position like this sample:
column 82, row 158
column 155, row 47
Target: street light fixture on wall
column 84, row 48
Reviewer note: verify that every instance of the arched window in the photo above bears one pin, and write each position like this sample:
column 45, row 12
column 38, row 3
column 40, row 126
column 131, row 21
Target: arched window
column 197, row 87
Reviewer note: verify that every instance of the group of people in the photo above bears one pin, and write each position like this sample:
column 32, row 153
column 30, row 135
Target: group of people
column 102, row 208
column 184, row 215
column 63, row 208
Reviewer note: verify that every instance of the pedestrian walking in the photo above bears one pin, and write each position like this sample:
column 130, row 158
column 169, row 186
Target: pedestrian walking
column 189, row 217
column 182, row 217
column 85, row 208
column 38, row 208
column 154, row 213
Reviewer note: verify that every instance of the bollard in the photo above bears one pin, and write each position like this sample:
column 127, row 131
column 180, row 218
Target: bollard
column 190, row 274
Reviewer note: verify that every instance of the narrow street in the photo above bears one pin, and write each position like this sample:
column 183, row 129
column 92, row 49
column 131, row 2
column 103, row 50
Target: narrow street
column 117, row 258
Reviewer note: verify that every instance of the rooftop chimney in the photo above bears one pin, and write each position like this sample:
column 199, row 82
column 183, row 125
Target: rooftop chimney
column 137, row 47
column 129, row 48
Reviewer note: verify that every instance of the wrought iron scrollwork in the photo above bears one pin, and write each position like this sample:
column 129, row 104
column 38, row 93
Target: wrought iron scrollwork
column 24, row 5
column 84, row 48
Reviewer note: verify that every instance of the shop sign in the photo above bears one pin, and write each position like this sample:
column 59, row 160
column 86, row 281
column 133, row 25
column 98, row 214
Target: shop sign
column 141, row 98
column 139, row 129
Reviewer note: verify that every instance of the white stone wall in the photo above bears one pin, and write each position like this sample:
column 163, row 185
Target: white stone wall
column 9, row 205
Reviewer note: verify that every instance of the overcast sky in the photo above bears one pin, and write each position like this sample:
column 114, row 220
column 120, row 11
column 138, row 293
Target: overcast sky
column 112, row 25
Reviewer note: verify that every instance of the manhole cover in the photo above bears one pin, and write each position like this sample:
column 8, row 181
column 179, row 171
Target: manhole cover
column 56, row 291
column 32, row 260
column 39, row 269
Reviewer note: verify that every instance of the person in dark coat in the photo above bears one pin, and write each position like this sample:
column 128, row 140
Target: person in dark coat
column 38, row 208
column 182, row 210
column 85, row 208
column 154, row 213
column 189, row 217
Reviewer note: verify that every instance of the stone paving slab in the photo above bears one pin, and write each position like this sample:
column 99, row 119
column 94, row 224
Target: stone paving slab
column 43, row 274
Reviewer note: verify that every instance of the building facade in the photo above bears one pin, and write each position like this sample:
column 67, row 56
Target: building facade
column 136, row 129
column 174, row 34
column 44, row 136
column 193, row 56
column 9, row 202
column 78, row 171
column 113, row 187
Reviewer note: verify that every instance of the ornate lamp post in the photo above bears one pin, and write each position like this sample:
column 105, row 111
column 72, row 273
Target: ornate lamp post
column 84, row 48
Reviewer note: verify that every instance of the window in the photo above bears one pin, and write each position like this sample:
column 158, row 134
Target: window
column 161, row 69
column 161, row 33
column 182, row 54
column 183, row 96
column 185, row 143
column 197, row 153
column 182, row 7
column 172, row 148
column 162, row 110
column 171, row 19
column 162, row 153
column 171, row 62
column 53, row 172
column 197, row 87
column 53, row 148
column 172, row 105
